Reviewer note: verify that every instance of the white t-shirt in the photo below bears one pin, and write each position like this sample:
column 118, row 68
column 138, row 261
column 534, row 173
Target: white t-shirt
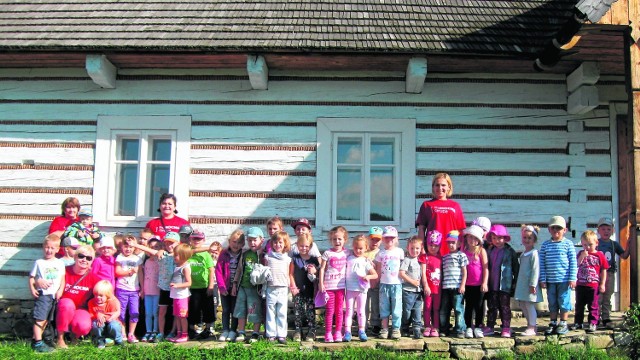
column 390, row 265
column 51, row 270
column 128, row 283
column 357, row 267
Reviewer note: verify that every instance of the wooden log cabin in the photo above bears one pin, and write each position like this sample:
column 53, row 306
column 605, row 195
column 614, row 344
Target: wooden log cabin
column 337, row 111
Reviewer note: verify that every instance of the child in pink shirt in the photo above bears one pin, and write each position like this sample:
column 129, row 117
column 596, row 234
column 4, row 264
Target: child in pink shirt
column 104, row 266
column 332, row 280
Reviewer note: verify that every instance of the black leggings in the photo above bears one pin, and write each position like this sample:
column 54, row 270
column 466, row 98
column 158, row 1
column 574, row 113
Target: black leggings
column 473, row 302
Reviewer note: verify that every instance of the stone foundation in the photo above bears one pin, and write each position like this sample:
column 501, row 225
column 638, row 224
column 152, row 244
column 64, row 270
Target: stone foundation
column 15, row 318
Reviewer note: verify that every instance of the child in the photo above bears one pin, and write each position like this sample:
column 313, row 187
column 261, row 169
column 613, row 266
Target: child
column 128, row 284
column 46, row 282
column 214, row 250
column 610, row 249
column 360, row 271
column 477, row 280
column 225, row 273
column 274, row 225
column 151, row 292
column 180, row 283
column 412, row 284
column 302, row 226
column 454, row 278
column 332, row 280
column 104, row 309
column 527, row 288
column 248, row 301
column 433, row 275
column 84, row 230
column 373, row 295
column 104, row 266
column 558, row 272
column 302, row 276
column 503, row 272
column 388, row 266
column 201, row 299
column 145, row 236
column 278, row 262
column 70, row 244
column 185, row 232
column 591, row 280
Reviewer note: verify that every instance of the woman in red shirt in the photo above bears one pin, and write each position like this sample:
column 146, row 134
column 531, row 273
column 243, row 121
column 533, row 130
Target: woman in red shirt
column 168, row 220
column 70, row 208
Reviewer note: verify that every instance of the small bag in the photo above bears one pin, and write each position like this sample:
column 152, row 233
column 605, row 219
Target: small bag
column 321, row 299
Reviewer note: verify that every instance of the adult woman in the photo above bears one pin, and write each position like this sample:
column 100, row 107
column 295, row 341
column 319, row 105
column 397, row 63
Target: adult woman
column 72, row 314
column 168, row 221
column 70, row 208
column 440, row 213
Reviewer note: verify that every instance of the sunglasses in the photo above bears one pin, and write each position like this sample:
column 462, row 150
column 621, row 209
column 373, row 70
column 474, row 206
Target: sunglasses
column 83, row 256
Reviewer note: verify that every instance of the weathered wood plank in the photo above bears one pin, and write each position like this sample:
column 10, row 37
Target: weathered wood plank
column 26, row 231
column 48, row 178
column 253, row 160
column 252, row 207
column 261, row 183
column 15, row 155
column 48, row 133
column 253, row 134
column 30, row 203
column 510, row 162
column 14, row 287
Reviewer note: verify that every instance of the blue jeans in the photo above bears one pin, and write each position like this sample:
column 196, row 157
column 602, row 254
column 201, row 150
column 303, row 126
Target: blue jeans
column 451, row 298
column 151, row 312
column 111, row 329
column 391, row 303
column 411, row 309
column 559, row 297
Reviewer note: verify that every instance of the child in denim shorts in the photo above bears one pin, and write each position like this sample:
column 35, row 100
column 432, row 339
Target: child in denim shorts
column 558, row 273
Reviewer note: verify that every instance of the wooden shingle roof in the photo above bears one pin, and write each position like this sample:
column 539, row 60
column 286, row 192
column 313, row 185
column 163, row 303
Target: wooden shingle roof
column 408, row 26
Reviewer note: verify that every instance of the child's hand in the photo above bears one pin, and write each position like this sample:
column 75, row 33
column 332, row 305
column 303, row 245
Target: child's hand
column 322, row 289
column 311, row 269
column 234, row 291
column 294, row 290
column 141, row 294
column 172, row 285
column 601, row 288
column 533, row 290
column 160, row 254
column 94, row 235
column 224, row 293
column 543, row 284
column 484, row 288
column 35, row 293
column 427, row 291
column 461, row 290
column 210, row 291
column 572, row 285
column 43, row 284
column 81, row 233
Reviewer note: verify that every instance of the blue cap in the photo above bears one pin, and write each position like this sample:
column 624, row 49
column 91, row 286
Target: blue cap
column 255, row 232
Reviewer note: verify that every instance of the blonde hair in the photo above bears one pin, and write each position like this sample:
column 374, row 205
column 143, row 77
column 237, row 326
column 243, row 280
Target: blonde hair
column 305, row 237
column 477, row 249
column 533, row 229
column 338, row 229
column 236, row 236
column 87, row 248
column 589, row 235
column 51, row 238
column 363, row 239
column 103, row 287
column 414, row 239
column 184, row 251
column 117, row 240
column 284, row 236
column 276, row 221
column 447, row 178
column 215, row 243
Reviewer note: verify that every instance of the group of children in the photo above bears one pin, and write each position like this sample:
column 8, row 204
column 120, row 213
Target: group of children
column 395, row 292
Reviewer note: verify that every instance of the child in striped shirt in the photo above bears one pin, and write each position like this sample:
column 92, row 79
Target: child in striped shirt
column 454, row 279
column 558, row 273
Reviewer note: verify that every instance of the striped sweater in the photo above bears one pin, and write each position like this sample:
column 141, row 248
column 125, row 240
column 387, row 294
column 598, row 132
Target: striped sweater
column 558, row 261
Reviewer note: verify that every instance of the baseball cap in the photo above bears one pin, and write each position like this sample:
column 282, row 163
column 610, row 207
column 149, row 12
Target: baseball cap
column 70, row 241
column 483, row 222
column 558, row 221
column 197, row 235
column 255, row 232
column 301, row 221
column 86, row 213
column 605, row 221
column 475, row 231
column 171, row 236
column 107, row 241
column 434, row 237
column 453, row 235
column 375, row 232
column 389, row 231
column 185, row 229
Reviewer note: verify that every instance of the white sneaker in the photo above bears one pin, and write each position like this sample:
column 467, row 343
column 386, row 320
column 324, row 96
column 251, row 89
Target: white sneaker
column 469, row 333
column 224, row 336
column 477, row 332
column 240, row 337
column 232, row 336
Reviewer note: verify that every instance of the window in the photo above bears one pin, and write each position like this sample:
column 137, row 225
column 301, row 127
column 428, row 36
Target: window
column 370, row 173
column 137, row 160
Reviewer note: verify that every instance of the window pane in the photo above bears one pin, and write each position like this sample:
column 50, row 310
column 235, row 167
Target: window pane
column 159, row 184
column 129, row 149
column 382, row 195
column 349, row 190
column 349, row 151
column 381, row 151
column 127, row 189
column 161, row 150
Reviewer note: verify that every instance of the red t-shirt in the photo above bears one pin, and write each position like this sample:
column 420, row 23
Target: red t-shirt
column 80, row 293
column 434, row 271
column 441, row 215
column 60, row 223
column 589, row 269
column 174, row 224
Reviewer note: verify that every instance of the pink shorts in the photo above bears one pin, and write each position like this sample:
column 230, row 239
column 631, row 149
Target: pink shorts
column 181, row 307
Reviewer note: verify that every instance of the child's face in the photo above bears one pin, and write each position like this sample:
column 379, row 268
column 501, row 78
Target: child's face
column 557, row 232
column 359, row 248
column 101, row 299
column 389, row 242
column 145, row 236
column 471, row 240
column 301, row 229
column 196, row 243
column 452, row 245
column 236, row 245
column 50, row 249
column 440, row 188
column 107, row 251
column 272, row 229
column 278, row 245
column 86, row 221
column 528, row 240
column 605, row 232
column 374, row 243
column 433, row 249
column 497, row 241
column 589, row 244
column 170, row 245
column 304, row 247
column 126, row 249
column 69, row 251
column 214, row 250
column 337, row 239
column 255, row 243
column 414, row 249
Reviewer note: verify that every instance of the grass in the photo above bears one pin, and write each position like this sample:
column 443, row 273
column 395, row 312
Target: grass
column 264, row 350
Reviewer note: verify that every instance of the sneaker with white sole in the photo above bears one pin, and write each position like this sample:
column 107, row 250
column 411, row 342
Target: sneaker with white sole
column 477, row 332
column 224, row 336
column 384, row 333
column 240, row 337
column 468, row 333
column 232, row 336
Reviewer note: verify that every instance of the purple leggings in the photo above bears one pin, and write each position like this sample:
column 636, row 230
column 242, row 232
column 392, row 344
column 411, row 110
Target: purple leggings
column 130, row 300
column 499, row 302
